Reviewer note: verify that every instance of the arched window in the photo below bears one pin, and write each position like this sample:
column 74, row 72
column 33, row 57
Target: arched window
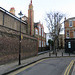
column 39, row 30
column 42, row 32
column 36, row 31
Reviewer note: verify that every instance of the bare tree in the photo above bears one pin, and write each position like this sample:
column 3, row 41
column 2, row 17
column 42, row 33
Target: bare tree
column 54, row 25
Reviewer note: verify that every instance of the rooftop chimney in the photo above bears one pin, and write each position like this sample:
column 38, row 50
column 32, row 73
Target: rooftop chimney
column 12, row 10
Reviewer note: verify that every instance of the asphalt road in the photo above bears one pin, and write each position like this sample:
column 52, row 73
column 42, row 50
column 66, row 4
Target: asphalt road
column 50, row 66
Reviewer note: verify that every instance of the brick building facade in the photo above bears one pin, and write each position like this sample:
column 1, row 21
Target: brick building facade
column 31, row 19
column 41, row 36
column 9, row 38
column 69, row 25
column 35, row 29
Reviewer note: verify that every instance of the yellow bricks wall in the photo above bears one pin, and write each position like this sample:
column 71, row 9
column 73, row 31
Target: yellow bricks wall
column 1, row 18
column 11, row 22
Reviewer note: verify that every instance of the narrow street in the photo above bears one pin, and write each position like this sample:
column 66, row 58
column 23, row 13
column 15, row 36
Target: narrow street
column 50, row 66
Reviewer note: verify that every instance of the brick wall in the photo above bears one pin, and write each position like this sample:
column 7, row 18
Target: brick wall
column 12, row 21
column 9, row 47
column 9, row 38
column 70, row 29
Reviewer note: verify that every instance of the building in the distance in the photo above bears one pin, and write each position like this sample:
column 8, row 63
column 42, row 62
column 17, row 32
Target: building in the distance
column 41, row 35
column 69, row 25
column 35, row 29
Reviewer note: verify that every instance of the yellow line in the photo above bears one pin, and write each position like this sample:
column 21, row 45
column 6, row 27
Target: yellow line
column 20, row 70
column 69, row 68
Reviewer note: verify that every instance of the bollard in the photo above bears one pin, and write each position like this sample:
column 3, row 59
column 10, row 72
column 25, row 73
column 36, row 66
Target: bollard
column 62, row 54
column 49, row 54
column 56, row 54
column 69, row 53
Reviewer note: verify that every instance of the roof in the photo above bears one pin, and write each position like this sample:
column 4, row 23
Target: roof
column 36, row 24
column 10, row 14
column 24, row 16
column 72, row 18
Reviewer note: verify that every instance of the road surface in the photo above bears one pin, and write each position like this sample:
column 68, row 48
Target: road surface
column 50, row 66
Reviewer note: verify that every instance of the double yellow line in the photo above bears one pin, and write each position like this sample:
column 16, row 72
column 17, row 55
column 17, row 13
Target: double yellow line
column 69, row 67
column 22, row 69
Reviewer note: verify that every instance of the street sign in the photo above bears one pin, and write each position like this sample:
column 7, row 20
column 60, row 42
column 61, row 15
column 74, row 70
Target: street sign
column 21, row 36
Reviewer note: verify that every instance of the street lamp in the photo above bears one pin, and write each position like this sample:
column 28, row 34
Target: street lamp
column 20, row 14
column 41, row 39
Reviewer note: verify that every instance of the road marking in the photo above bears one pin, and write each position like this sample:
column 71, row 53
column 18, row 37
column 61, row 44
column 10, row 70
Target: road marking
column 69, row 67
column 22, row 69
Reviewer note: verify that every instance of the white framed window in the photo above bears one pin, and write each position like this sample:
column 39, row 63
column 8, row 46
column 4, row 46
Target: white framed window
column 42, row 43
column 42, row 32
column 69, row 44
column 36, row 31
column 67, row 34
column 39, row 43
column 39, row 30
column 70, row 23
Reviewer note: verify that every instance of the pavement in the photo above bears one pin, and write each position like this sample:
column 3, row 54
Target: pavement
column 9, row 67
column 5, row 68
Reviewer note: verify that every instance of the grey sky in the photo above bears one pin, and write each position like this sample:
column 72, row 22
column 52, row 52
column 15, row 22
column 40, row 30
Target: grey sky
column 41, row 7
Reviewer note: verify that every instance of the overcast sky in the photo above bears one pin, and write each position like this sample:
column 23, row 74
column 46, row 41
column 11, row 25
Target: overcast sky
column 41, row 7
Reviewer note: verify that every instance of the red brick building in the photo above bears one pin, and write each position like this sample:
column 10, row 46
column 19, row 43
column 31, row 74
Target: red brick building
column 41, row 35
column 35, row 29
column 69, row 25
column 10, row 28
column 31, row 19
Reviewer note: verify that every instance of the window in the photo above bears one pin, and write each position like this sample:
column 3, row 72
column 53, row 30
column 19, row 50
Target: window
column 39, row 43
column 39, row 30
column 69, row 44
column 42, row 32
column 42, row 43
column 70, row 23
column 67, row 34
column 36, row 31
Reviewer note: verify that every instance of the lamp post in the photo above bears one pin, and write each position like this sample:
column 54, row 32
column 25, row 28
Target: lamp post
column 20, row 14
column 41, row 39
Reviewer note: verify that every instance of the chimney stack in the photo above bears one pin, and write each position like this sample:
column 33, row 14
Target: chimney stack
column 12, row 10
